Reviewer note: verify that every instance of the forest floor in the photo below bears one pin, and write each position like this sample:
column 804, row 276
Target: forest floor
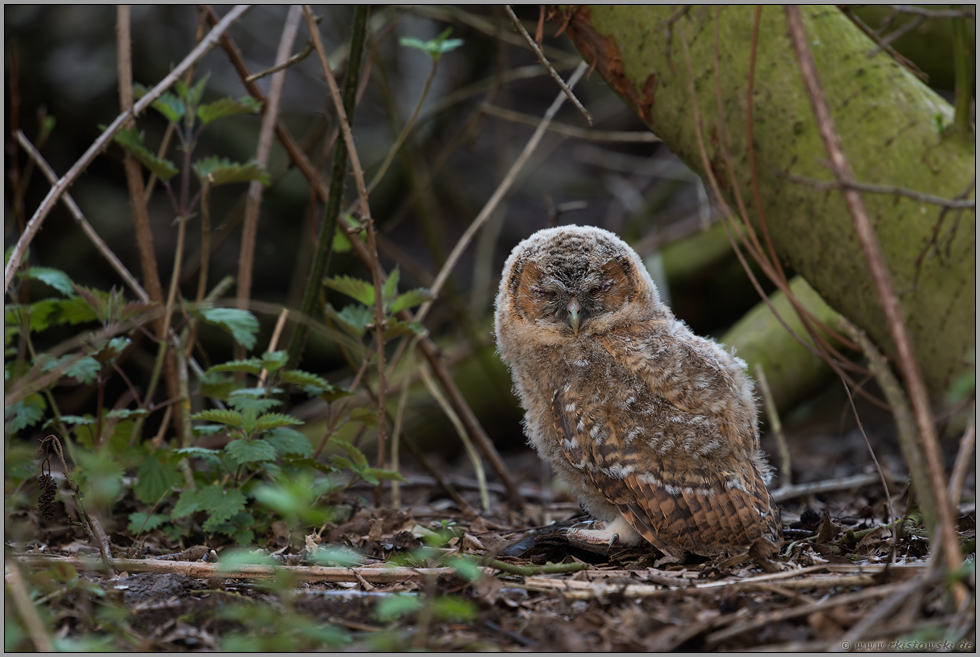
column 433, row 576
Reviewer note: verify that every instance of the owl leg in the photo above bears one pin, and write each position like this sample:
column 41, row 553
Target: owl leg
column 607, row 534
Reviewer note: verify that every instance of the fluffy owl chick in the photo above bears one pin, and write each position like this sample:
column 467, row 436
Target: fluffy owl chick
column 654, row 427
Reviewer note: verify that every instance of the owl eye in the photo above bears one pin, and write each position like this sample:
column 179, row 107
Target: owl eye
column 603, row 287
column 542, row 293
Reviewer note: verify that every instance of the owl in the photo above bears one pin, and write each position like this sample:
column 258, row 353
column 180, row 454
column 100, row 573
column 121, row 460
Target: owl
column 653, row 427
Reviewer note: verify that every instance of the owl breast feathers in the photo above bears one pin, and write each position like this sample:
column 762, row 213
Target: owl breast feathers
column 654, row 427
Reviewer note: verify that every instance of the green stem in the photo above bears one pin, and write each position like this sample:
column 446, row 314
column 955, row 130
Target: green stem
column 963, row 68
column 324, row 246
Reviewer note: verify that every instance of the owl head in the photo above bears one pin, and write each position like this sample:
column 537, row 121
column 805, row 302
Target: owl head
column 573, row 281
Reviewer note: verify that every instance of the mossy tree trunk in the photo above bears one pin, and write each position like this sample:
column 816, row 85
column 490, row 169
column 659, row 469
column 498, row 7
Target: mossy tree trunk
column 892, row 128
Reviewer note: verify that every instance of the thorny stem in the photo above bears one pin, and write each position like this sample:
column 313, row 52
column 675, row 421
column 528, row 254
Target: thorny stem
column 963, row 68
column 338, row 172
column 886, row 294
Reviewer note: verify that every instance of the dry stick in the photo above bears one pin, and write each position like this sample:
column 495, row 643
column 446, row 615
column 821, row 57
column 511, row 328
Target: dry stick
column 200, row 570
column 25, row 606
column 273, row 342
column 876, row 616
column 376, row 274
column 544, row 62
column 499, row 193
column 904, row 423
column 776, row 425
column 138, row 201
column 829, row 485
column 255, row 188
column 99, row 144
column 624, row 136
column 83, row 223
column 295, row 59
column 431, row 352
column 481, row 476
column 964, row 460
column 886, row 294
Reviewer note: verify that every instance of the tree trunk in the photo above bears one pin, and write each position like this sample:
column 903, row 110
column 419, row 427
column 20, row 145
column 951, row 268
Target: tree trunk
column 891, row 126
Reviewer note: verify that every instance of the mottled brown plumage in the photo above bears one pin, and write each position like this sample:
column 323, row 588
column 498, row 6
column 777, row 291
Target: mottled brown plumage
column 654, row 427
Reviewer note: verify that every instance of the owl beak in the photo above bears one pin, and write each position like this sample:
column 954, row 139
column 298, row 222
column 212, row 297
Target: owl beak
column 574, row 309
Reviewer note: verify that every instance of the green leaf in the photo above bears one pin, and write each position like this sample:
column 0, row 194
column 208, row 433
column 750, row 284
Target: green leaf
column 221, row 503
column 273, row 360
column 55, row 278
column 221, row 171
column 227, row 107
column 435, row 48
column 145, row 522
column 125, row 413
column 84, row 368
column 241, row 323
column 394, row 607
column 396, row 328
column 132, row 141
column 465, row 568
column 362, row 291
column 222, row 416
column 243, row 401
column 450, row 607
column 289, row 441
column 390, row 288
column 25, row 413
column 192, row 95
column 243, row 451
column 172, row 107
column 155, row 479
column 311, row 383
column 248, row 366
column 389, row 475
column 355, row 318
column 275, row 420
column 410, row 299
column 359, row 459
column 334, row 394
column 366, row 415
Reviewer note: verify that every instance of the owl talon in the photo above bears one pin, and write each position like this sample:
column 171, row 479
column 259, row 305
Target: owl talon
column 613, row 540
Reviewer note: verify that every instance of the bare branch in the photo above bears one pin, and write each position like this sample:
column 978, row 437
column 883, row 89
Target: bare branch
column 922, row 197
column 99, row 144
column 886, row 292
column 544, row 62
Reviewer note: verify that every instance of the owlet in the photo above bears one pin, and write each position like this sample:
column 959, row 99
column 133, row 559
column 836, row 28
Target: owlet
column 653, row 427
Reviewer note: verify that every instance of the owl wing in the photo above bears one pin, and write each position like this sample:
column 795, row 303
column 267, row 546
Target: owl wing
column 667, row 450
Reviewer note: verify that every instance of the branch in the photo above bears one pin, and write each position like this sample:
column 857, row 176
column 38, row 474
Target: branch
column 883, row 285
column 922, row 197
column 99, row 144
column 544, row 62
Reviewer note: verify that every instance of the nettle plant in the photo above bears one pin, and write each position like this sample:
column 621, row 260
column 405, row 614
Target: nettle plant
column 265, row 468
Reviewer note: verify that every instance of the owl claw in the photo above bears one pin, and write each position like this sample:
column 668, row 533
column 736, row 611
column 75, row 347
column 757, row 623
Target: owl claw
column 613, row 540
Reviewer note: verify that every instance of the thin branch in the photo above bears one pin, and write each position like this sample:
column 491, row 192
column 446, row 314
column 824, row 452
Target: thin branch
column 99, row 144
column 827, row 486
column 25, row 606
column 886, row 293
column 933, row 13
column 498, row 194
column 922, row 197
column 295, row 59
column 544, row 62
column 964, row 460
column 255, row 188
column 627, row 136
column 888, row 40
column 776, row 426
column 83, row 223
